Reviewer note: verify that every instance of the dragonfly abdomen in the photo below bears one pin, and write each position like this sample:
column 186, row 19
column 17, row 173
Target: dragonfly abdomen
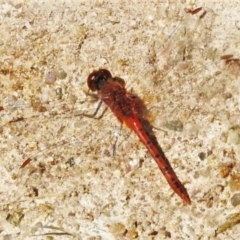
column 143, row 129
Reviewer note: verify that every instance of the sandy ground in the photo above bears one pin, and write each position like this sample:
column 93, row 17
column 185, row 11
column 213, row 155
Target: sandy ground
column 185, row 66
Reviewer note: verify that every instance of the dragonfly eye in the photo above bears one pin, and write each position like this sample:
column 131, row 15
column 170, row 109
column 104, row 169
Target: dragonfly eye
column 97, row 78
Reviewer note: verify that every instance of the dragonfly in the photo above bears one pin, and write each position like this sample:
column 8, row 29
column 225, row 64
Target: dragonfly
column 129, row 109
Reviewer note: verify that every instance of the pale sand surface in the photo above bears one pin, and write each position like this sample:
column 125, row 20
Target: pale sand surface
column 74, row 188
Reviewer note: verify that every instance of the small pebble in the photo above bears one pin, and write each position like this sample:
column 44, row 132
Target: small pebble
column 51, row 77
column 61, row 74
column 235, row 199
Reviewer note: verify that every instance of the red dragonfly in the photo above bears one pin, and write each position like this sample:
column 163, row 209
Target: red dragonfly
column 129, row 109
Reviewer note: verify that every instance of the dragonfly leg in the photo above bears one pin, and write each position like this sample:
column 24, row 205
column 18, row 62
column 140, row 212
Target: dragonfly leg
column 95, row 113
column 116, row 140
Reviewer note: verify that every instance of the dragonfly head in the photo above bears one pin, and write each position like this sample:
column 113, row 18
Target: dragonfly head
column 97, row 78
